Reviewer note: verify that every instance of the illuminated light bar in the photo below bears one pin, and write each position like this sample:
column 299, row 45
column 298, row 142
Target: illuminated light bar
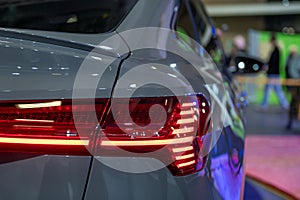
column 32, row 126
column 47, row 127
column 182, row 149
column 39, row 105
column 147, row 142
column 44, row 141
column 35, row 120
column 185, row 156
column 186, row 164
column 186, row 121
column 183, row 130
column 187, row 112
column 188, row 105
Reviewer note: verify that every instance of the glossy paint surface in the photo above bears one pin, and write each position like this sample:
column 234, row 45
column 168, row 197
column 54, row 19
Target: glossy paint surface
column 38, row 67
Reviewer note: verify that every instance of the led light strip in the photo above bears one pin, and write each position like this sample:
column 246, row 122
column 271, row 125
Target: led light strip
column 185, row 156
column 146, row 142
column 186, row 164
column 183, row 130
column 182, row 149
column 44, row 141
column 187, row 112
column 29, row 126
column 35, row 120
column 186, row 121
column 39, row 105
column 188, row 105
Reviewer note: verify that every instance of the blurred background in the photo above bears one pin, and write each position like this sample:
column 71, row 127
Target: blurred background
column 254, row 20
column 272, row 148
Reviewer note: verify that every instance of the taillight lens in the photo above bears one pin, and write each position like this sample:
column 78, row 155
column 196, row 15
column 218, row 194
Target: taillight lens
column 47, row 126
column 167, row 128
column 170, row 129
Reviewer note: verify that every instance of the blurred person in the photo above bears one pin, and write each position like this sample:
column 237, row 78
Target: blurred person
column 291, row 56
column 273, row 77
column 239, row 43
column 238, row 48
column 294, row 73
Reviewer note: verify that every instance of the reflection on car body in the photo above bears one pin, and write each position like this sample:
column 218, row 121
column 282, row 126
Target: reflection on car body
column 52, row 147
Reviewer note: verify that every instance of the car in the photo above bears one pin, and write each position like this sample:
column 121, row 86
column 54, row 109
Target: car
column 123, row 99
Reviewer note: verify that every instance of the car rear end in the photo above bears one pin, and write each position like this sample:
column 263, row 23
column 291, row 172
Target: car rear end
column 74, row 125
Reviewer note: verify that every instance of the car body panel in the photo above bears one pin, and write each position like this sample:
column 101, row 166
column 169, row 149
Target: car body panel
column 107, row 183
column 75, row 177
column 43, row 177
column 222, row 177
column 148, row 14
column 36, row 67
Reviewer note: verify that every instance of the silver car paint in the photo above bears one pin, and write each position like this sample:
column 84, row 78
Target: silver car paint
column 104, row 182
column 220, row 180
column 33, row 67
column 44, row 177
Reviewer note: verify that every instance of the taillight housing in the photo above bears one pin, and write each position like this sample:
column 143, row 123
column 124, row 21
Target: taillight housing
column 171, row 129
column 48, row 126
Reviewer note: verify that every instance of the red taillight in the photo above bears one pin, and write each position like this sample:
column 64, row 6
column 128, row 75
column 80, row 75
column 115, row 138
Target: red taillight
column 170, row 129
column 47, row 126
column 167, row 128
